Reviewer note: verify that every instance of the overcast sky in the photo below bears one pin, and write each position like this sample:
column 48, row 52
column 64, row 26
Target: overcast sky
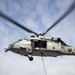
column 37, row 15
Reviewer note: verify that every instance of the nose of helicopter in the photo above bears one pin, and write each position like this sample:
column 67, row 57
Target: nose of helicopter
column 9, row 48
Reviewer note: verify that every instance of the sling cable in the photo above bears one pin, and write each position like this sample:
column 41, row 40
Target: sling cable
column 44, row 65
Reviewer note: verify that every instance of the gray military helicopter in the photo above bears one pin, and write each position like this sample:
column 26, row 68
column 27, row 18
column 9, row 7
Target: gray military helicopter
column 40, row 45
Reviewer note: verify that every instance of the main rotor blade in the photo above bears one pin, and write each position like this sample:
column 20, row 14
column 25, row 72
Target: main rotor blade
column 62, row 17
column 16, row 23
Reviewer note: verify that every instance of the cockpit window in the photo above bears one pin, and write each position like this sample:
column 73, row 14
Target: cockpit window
column 18, row 40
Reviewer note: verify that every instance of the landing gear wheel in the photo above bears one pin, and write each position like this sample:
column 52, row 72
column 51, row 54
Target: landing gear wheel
column 30, row 58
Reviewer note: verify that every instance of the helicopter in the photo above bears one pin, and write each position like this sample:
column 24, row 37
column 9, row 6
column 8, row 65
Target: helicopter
column 38, row 44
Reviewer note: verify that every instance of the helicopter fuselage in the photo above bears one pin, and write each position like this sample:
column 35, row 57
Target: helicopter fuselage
column 41, row 46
